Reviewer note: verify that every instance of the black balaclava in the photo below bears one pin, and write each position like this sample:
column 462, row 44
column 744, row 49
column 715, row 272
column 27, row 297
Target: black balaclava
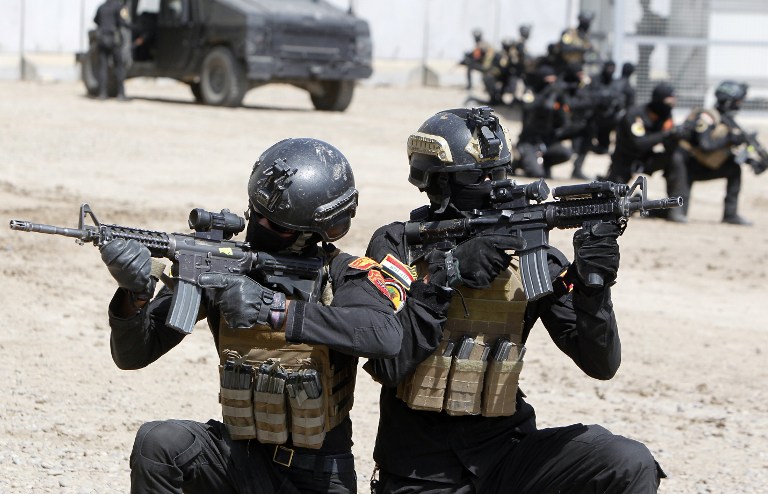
column 469, row 197
column 262, row 238
column 542, row 72
column 606, row 75
column 627, row 70
column 657, row 105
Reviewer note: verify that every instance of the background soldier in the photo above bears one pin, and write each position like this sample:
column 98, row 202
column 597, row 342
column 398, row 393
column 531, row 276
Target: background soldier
column 574, row 89
column 111, row 18
column 574, row 43
column 625, row 87
column 436, row 435
column 608, row 104
column 479, row 58
column 268, row 342
column 637, row 135
column 519, row 60
column 544, row 116
column 709, row 152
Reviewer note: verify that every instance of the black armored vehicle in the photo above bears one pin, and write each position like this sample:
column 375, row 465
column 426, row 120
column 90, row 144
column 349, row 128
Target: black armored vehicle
column 223, row 48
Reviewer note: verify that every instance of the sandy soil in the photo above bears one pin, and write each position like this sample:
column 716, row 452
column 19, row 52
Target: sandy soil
column 693, row 381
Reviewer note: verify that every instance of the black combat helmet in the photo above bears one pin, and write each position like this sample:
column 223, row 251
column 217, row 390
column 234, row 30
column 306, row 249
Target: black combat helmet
column 730, row 95
column 304, row 185
column 585, row 20
column 463, row 143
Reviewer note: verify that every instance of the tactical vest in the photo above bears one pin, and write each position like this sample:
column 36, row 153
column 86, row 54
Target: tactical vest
column 577, row 46
column 271, row 389
column 476, row 368
column 713, row 159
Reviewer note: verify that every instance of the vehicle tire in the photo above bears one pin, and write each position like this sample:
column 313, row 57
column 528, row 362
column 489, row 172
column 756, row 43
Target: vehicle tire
column 88, row 70
column 336, row 96
column 222, row 80
column 197, row 92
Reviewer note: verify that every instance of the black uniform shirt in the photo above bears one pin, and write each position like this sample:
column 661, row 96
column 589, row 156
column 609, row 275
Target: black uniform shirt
column 359, row 322
column 637, row 134
column 442, row 448
column 543, row 115
column 108, row 16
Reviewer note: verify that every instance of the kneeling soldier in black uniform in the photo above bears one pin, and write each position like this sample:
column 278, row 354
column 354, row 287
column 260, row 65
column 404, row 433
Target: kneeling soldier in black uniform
column 709, row 152
column 452, row 417
column 287, row 366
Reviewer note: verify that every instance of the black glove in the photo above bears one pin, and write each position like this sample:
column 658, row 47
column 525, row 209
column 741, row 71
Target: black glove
column 736, row 138
column 758, row 166
column 482, row 258
column 475, row 262
column 130, row 264
column 596, row 253
column 244, row 302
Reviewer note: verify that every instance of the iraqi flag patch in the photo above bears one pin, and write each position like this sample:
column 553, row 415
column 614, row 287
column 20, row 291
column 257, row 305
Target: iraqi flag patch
column 398, row 270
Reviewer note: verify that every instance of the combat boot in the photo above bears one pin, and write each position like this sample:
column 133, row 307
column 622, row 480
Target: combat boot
column 578, row 164
column 735, row 219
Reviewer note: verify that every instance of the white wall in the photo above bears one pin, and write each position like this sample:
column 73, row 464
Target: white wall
column 399, row 26
column 59, row 26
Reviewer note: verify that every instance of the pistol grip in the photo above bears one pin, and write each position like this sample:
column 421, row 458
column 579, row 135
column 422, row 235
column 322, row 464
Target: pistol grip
column 184, row 306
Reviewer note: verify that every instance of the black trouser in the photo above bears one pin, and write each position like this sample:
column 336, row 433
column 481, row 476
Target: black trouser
column 729, row 170
column 537, row 160
column 175, row 456
column 622, row 169
column 574, row 459
column 105, row 54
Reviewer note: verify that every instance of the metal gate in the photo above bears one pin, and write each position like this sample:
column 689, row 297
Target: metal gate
column 692, row 44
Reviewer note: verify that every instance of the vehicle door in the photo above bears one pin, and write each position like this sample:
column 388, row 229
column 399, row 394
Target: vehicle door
column 177, row 32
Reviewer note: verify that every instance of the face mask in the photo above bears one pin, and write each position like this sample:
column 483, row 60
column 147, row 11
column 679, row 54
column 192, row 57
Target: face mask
column 262, row 238
column 660, row 109
column 468, row 197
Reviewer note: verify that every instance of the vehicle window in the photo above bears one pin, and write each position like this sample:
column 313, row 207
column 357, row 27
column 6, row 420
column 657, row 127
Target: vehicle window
column 148, row 6
column 175, row 10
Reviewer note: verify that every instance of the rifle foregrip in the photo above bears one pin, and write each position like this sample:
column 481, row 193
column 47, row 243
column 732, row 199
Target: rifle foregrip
column 184, row 306
column 534, row 271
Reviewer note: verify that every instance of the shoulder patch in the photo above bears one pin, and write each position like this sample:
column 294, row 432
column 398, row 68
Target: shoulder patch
column 364, row 264
column 638, row 127
column 391, row 289
column 528, row 97
column 398, row 270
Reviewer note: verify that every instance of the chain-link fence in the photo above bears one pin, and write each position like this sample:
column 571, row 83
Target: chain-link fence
column 693, row 44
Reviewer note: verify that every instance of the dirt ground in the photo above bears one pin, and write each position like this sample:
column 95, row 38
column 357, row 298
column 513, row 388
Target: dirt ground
column 692, row 385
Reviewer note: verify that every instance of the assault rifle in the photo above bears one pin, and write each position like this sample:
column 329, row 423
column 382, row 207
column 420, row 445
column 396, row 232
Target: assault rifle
column 513, row 214
column 207, row 250
column 753, row 147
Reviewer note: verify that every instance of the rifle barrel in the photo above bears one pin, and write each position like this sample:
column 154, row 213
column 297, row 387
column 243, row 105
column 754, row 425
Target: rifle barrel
column 637, row 204
column 27, row 226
